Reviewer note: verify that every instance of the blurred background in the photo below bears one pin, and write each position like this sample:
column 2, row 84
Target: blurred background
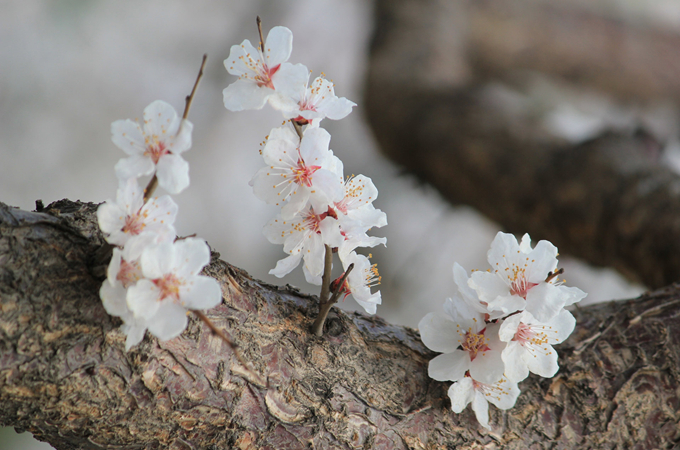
column 72, row 67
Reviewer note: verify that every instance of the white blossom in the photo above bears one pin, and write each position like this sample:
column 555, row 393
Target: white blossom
column 124, row 271
column 155, row 147
column 171, row 285
column 130, row 222
column 303, row 237
column 357, row 215
column 530, row 344
column 502, row 393
column 296, row 172
column 311, row 104
column 363, row 276
column 260, row 74
column 466, row 341
column 517, row 279
column 469, row 296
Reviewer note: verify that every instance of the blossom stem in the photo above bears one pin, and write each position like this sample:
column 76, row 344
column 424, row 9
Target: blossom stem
column 326, row 278
column 325, row 307
column 232, row 346
column 259, row 30
column 552, row 275
column 148, row 190
column 298, row 128
column 153, row 184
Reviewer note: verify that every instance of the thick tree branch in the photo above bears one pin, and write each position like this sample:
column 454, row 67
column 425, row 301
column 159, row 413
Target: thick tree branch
column 64, row 374
column 431, row 101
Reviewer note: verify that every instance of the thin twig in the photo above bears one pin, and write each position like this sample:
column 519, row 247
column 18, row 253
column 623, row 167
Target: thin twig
column 325, row 306
column 153, row 184
column 554, row 274
column 298, row 128
column 230, row 343
column 341, row 283
column 326, row 277
column 259, row 30
column 651, row 311
column 190, row 97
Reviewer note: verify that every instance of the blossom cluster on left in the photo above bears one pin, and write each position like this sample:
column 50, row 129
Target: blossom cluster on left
column 153, row 277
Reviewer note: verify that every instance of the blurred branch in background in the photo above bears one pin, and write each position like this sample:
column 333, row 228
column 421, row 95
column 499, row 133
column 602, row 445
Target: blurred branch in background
column 542, row 116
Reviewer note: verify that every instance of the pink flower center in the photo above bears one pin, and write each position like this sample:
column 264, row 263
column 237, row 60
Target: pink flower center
column 169, row 286
column 133, row 224
column 520, row 286
column 474, row 343
column 526, row 335
column 312, row 221
column 303, row 173
column 129, row 273
column 156, row 150
column 264, row 77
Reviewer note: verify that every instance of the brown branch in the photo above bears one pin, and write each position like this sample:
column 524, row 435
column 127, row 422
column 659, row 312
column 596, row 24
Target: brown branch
column 153, row 183
column 609, row 200
column 326, row 305
column 65, row 376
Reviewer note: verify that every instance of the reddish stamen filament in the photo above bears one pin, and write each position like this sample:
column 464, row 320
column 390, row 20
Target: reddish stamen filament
column 474, row 343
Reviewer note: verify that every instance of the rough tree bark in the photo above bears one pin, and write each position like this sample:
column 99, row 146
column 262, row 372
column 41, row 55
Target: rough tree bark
column 65, row 376
column 432, row 99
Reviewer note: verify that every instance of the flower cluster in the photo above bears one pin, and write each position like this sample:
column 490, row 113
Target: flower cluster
column 319, row 206
column 153, row 277
column 501, row 325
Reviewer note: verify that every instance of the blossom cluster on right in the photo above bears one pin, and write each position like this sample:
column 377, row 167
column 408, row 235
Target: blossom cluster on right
column 501, row 325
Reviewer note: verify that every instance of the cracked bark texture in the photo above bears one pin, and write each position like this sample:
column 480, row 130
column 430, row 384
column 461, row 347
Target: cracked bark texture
column 65, row 376
column 433, row 99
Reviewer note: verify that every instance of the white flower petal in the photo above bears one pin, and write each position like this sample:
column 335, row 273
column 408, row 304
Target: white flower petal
column 504, row 249
column 542, row 361
column 480, row 406
column 449, row 366
column 339, row 108
column 516, row 368
column 239, row 63
column 160, row 119
column 296, row 203
column 133, row 167
column 169, row 322
column 111, row 217
column 370, row 304
column 543, row 260
column 290, row 78
column 461, row 394
column 286, row 265
column 173, row 173
column 113, row 299
column 127, row 135
column 564, row 323
column 505, row 396
column 278, row 45
column 135, row 333
column 488, row 286
column 487, row 367
column 143, row 299
column 439, row 333
column 182, row 141
column 545, row 301
column 201, row 292
column 509, row 327
column 244, row 94
column 158, row 260
column 192, row 254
